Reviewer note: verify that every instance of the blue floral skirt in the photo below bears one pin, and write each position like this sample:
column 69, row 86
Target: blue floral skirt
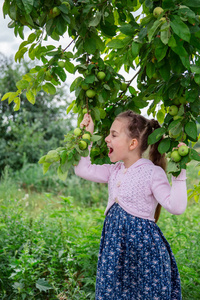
column 135, row 260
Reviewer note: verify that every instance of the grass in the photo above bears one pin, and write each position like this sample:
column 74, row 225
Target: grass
column 49, row 241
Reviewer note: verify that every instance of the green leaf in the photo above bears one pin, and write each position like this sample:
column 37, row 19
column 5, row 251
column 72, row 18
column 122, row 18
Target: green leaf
column 191, row 130
column 42, row 159
column 69, row 67
column 95, row 20
column 180, row 28
column 135, row 48
column 161, row 51
column 28, row 5
column 46, row 167
column 30, row 96
column 197, row 78
column 6, row 96
column 90, row 78
column 193, row 3
column 164, row 145
column 96, row 112
column 76, row 83
column 89, row 46
column 195, row 69
column 22, row 84
column 61, row 73
column 173, row 167
column 153, row 29
column 17, row 104
column 165, row 33
column 20, row 54
column 156, row 135
column 150, row 69
column 116, row 44
column 194, row 155
column 32, row 37
column 127, row 29
column 43, row 285
column 95, row 138
column 49, row 88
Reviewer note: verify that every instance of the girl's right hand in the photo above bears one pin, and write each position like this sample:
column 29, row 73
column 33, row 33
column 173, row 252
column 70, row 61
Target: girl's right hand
column 88, row 123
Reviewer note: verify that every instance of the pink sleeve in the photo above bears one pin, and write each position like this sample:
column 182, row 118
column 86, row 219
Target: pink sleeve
column 172, row 198
column 92, row 172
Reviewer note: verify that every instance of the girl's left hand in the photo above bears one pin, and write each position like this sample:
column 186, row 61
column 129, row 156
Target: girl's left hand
column 88, row 123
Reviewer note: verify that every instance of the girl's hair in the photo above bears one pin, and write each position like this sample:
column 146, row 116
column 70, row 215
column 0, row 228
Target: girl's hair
column 140, row 128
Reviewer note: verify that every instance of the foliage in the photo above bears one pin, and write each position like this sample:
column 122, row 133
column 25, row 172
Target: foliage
column 49, row 245
column 157, row 39
column 27, row 133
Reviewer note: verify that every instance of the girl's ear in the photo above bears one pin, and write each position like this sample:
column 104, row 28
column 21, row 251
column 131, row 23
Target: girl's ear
column 133, row 144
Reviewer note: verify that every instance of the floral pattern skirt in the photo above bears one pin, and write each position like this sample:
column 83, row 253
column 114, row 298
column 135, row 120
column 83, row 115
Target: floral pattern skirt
column 135, row 260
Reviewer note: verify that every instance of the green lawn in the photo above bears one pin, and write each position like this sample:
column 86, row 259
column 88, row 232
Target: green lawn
column 49, row 244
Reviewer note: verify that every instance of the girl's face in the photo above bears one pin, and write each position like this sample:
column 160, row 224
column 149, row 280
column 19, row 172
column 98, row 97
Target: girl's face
column 120, row 145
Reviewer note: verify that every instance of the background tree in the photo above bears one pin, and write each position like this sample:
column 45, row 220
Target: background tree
column 160, row 40
column 32, row 130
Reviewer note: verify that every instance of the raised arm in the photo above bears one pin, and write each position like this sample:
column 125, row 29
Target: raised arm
column 172, row 198
column 86, row 170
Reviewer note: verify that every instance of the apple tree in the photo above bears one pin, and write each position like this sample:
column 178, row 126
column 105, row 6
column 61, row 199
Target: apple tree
column 159, row 41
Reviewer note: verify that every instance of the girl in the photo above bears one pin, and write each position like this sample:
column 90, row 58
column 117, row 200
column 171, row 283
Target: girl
column 135, row 260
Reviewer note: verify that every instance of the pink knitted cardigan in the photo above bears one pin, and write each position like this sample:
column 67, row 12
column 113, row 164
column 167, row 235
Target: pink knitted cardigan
column 139, row 188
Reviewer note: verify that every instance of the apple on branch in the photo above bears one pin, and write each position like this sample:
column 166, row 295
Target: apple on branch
column 90, row 93
column 183, row 149
column 157, row 11
column 82, row 145
column 173, row 110
column 101, row 75
column 175, row 156
column 77, row 131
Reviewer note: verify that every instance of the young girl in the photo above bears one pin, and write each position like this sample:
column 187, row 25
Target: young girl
column 135, row 260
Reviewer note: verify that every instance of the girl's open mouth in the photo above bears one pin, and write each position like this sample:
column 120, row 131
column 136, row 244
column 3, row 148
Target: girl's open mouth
column 110, row 151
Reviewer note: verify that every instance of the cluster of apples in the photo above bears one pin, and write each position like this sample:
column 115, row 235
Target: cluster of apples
column 84, row 139
column 180, row 151
column 90, row 93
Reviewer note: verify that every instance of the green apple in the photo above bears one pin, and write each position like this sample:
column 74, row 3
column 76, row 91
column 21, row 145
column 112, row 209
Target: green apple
column 67, row 4
column 157, row 11
column 90, row 93
column 173, row 110
column 86, row 136
column 123, row 86
column 61, row 64
column 84, row 111
column 101, row 75
column 82, row 145
column 77, row 131
column 183, row 150
column 175, row 156
column 55, row 12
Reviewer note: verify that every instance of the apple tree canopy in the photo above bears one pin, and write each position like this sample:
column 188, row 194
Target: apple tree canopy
column 159, row 40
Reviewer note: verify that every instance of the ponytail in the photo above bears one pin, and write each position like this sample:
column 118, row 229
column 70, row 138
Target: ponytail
column 158, row 159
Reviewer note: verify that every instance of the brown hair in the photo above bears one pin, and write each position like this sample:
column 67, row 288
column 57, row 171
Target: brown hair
column 140, row 128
